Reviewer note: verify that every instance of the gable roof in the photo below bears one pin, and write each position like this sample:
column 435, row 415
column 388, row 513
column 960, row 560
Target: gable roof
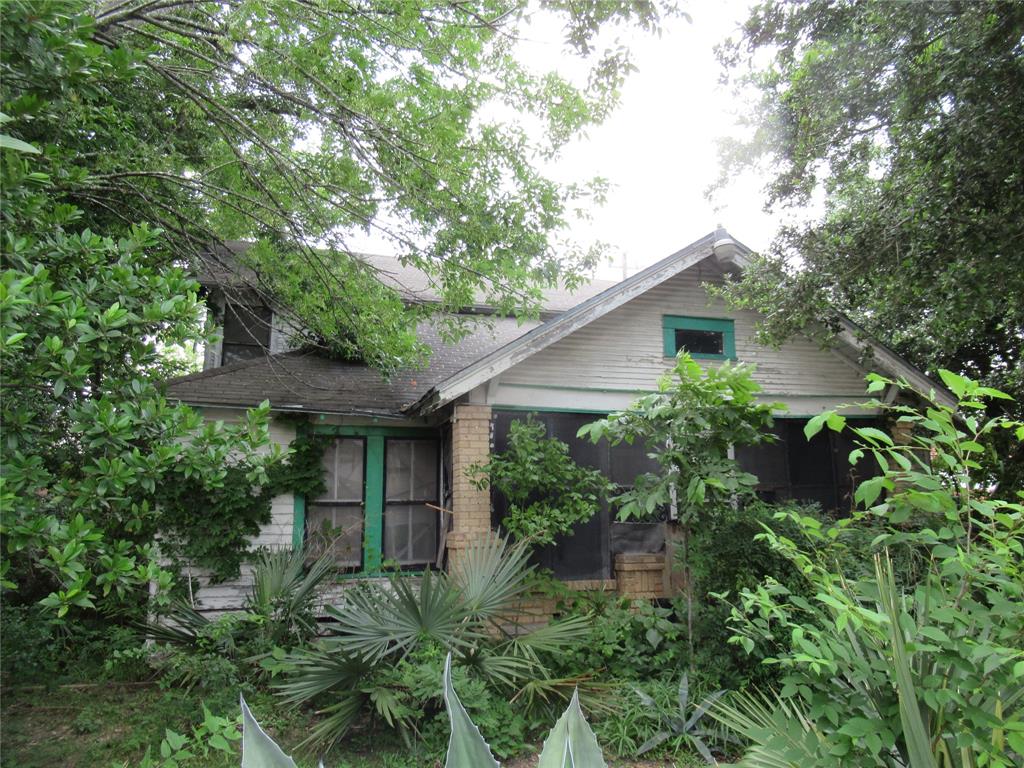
column 309, row 382
column 729, row 252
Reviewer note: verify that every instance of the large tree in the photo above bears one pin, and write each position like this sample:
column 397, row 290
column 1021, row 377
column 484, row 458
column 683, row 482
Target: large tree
column 905, row 118
column 138, row 134
column 299, row 123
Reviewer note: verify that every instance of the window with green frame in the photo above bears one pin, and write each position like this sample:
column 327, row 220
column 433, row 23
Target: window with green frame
column 380, row 483
column 705, row 338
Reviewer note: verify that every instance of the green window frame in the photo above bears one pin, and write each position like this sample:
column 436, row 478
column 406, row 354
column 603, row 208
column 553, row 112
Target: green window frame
column 374, row 502
column 672, row 323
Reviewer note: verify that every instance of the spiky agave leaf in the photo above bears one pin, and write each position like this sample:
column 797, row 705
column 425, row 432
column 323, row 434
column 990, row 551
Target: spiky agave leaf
column 466, row 747
column 258, row 749
column 571, row 743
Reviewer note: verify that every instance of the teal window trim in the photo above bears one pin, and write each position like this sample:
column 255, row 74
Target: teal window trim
column 672, row 323
column 373, row 490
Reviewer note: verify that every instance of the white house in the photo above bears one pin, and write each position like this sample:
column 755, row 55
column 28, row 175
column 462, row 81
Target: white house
column 400, row 447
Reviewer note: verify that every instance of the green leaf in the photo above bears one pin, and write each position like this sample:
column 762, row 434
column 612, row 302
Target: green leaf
column 956, row 383
column 914, row 730
column 571, row 743
column 814, row 424
column 258, row 749
column 17, row 145
column 836, row 422
column 466, row 747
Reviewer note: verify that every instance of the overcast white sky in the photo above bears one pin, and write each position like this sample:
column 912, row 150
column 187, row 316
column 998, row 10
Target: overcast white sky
column 659, row 148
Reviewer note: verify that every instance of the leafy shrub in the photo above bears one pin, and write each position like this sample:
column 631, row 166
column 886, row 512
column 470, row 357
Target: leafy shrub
column 38, row 647
column 279, row 614
column 690, row 424
column 547, row 492
column 727, row 555
column 628, row 640
column 878, row 673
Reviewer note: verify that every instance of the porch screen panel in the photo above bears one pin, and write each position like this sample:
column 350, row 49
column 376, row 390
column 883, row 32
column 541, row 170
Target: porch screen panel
column 411, row 482
column 584, row 552
column 334, row 520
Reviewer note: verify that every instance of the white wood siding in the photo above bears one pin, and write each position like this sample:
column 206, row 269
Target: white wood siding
column 605, row 363
column 277, row 534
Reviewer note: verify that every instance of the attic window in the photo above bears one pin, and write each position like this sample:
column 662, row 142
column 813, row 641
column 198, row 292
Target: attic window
column 703, row 337
column 246, row 332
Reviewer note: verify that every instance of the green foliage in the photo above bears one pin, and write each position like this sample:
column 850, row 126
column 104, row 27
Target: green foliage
column 690, row 426
column 358, row 665
column 547, row 492
column 570, row 744
column 211, row 528
column 682, row 723
column 727, row 555
column 213, row 735
column 923, row 669
column 903, row 115
column 629, row 640
column 89, row 440
column 301, row 125
column 38, row 648
column 279, row 614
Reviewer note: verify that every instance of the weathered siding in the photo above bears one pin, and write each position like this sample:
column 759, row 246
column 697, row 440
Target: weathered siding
column 277, row 534
column 621, row 354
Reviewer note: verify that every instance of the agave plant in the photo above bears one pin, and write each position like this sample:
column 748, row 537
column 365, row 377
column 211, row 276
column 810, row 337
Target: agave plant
column 682, row 723
column 469, row 613
column 570, row 744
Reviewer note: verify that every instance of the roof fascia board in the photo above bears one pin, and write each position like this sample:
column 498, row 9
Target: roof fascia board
column 547, row 334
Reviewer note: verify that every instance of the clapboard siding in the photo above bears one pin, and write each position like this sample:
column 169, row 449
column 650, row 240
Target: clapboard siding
column 623, row 350
column 277, row 534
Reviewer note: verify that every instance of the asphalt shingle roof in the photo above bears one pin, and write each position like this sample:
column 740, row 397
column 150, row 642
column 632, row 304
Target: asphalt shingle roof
column 309, row 382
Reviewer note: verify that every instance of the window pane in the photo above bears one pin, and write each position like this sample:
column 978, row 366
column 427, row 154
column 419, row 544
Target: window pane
column 700, row 342
column 410, row 534
column 234, row 353
column 338, row 529
column 411, row 470
column 343, row 471
column 247, row 325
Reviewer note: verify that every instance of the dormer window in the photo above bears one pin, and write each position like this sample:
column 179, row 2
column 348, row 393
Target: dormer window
column 246, row 332
column 704, row 338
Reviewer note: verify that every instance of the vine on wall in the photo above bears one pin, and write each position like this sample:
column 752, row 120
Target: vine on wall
column 211, row 527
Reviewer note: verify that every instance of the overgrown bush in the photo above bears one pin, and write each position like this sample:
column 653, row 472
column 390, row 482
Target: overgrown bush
column 547, row 492
column 727, row 555
column 629, row 640
column 37, row 647
column 690, row 425
column 876, row 672
column 569, row 744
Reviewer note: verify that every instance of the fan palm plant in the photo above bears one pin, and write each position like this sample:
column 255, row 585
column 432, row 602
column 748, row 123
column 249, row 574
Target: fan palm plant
column 469, row 613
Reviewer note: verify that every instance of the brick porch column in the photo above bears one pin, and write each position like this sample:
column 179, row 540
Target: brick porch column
column 471, row 506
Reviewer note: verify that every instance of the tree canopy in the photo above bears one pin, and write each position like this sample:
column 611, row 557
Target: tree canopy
column 137, row 136
column 905, row 117
column 298, row 124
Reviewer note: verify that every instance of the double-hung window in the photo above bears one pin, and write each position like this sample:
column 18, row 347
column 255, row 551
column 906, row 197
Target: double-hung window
column 702, row 337
column 379, row 505
column 246, row 332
